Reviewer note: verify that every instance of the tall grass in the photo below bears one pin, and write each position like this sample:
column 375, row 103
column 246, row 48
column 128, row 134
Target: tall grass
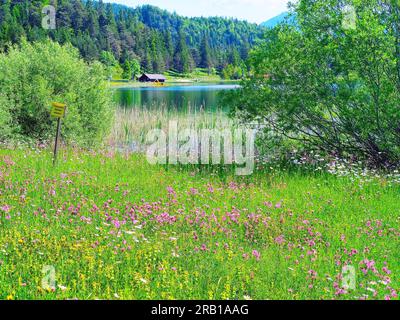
column 133, row 124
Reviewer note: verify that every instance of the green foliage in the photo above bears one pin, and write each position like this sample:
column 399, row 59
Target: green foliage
column 205, row 51
column 117, row 72
column 131, row 69
column 152, row 35
column 5, row 119
column 233, row 72
column 182, row 60
column 114, row 70
column 34, row 75
column 330, row 83
column 108, row 59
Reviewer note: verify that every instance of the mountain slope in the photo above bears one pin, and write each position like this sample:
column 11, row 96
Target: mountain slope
column 160, row 40
column 275, row 21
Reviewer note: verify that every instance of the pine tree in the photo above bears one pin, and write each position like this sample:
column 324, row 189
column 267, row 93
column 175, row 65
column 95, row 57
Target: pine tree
column 205, row 54
column 158, row 39
column 5, row 22
column 182, row 59
column 169, row 48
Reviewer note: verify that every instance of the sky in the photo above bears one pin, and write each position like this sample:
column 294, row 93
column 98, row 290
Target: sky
column 251, row 10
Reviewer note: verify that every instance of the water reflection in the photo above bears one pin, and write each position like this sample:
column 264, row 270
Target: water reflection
column 180, row 97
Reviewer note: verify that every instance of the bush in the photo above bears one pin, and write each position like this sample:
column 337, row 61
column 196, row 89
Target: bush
column 232, row 72
column 330, row 82
column 5, row 118
column 34, row 75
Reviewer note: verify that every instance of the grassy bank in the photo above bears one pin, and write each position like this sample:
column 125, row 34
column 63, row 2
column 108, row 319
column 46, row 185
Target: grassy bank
column 173, row 78
column 169, row 82
column 115, row 227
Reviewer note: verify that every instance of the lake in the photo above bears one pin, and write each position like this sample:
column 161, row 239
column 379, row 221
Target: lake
column 177, row 97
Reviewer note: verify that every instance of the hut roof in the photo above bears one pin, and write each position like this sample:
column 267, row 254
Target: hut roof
column 155, row 76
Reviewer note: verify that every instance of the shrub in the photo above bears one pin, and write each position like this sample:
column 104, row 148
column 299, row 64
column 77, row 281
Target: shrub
column 34, row 75
column 330, row 83
column 5, row 118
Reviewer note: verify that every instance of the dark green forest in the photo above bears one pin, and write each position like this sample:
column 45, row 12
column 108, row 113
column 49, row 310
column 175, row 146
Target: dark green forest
column 156, row 39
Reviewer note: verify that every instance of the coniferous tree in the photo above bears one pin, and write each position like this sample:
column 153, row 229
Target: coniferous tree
column 206, row 54
column 158, row 39
column 182, row 60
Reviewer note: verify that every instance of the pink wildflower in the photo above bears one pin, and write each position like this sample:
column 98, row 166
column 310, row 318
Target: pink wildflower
column 280, row 240
column 5, row 208
column 257, row 255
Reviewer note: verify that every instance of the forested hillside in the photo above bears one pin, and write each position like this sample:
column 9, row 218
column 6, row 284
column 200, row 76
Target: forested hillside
column 155, row 38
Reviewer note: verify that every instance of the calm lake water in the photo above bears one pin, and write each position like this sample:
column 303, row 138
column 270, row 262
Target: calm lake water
column 179, row 97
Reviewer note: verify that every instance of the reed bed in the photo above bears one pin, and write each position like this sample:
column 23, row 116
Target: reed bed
column 132, row 125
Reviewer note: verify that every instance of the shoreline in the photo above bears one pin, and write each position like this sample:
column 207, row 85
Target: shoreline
column 174, row 82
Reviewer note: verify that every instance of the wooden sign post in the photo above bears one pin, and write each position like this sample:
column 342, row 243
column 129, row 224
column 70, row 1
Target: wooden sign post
column 57, row 111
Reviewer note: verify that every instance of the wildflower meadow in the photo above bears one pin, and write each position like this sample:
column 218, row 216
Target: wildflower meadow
column 214, row 152
column 110, row 226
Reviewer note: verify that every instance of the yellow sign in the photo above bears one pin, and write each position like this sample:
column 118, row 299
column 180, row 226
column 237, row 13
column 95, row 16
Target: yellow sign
column 57, row 110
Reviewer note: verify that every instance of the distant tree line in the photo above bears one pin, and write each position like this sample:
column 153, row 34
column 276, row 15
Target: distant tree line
column 125, row 38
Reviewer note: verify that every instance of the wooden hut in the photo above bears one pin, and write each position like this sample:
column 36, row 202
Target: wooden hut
column 147, row 77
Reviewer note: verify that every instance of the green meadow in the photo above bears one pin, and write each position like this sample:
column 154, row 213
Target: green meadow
column 110, row 226
column 313, row 96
